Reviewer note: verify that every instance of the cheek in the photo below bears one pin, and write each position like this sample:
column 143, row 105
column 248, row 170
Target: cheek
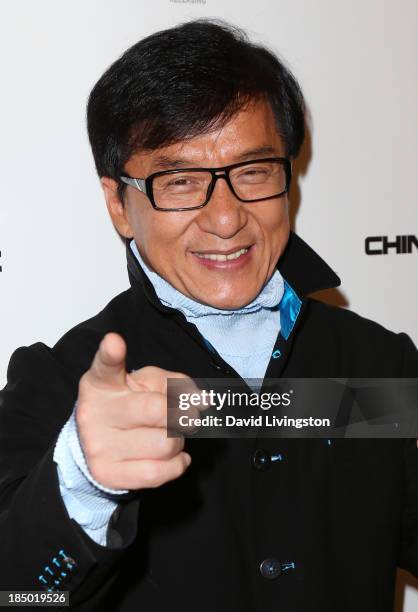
column 161, row 236
column 274, row 222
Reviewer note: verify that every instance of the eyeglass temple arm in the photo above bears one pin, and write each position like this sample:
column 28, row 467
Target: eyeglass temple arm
column 138, row 183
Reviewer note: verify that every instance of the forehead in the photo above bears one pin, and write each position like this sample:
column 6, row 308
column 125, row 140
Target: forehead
column 250, row 133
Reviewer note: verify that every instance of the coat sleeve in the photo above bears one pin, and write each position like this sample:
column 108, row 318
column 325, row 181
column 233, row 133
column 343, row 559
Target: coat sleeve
column 408, row 556
column 40, row 546
column 87, row 502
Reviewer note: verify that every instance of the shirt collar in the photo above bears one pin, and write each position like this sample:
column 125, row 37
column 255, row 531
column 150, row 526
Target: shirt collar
column 303, row 269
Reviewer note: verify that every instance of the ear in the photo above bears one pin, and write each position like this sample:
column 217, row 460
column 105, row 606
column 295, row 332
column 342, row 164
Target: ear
column 117, row 211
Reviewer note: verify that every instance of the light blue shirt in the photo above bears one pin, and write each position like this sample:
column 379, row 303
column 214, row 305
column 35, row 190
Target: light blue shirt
column 244, row 338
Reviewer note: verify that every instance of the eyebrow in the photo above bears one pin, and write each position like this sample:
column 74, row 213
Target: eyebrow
column 165, row 162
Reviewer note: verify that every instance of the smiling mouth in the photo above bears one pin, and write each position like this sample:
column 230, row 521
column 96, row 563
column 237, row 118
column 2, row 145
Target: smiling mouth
column 222, row 256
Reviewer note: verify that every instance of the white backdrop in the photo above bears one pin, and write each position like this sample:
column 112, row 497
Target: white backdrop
column 357, row 65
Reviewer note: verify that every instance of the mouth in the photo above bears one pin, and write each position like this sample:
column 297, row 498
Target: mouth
column 223, row 256
column 224, row 259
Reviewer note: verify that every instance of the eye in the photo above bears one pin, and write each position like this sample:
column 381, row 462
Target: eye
column 180, row 181
column 177, row 184
column 255, row 173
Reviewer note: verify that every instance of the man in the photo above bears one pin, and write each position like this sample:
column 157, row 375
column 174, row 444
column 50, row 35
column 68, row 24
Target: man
column 193, row 131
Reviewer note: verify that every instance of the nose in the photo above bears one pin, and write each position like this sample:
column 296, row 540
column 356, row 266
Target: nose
column 224, row 214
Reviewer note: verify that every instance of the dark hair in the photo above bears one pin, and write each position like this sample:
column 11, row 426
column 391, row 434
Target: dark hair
column 181, row 82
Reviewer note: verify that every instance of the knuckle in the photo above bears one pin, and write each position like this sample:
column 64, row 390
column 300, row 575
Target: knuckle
column 149, row 370
column 163, row 444
column 84, row 383
column 147, row 373
column 159, row 405
column 82, row 415
column 153, row 405
column 98, row 471
column 113, row 476
column 152, row 475
column 173, row 446
column 84, row 378
column 94, row 448
column 170, row 373
column 179, row 467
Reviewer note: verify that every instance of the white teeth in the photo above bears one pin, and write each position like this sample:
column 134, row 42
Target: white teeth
column 216, row 257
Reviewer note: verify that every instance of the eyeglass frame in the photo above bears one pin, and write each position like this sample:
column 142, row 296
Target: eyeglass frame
column 144, row 185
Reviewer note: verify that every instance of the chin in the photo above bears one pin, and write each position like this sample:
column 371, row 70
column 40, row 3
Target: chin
column 229, row 303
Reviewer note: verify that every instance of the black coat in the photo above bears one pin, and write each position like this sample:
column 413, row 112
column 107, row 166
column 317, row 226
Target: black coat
column 345, row 514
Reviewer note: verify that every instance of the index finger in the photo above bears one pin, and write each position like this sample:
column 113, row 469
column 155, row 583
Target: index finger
column 108, row 366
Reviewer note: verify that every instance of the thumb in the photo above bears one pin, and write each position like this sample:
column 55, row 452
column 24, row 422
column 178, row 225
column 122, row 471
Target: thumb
column 108, row 365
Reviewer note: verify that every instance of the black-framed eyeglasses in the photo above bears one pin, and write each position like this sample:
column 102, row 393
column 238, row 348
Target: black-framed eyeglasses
column 191, row 188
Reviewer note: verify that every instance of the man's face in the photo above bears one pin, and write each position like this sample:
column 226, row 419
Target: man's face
column 169, row 242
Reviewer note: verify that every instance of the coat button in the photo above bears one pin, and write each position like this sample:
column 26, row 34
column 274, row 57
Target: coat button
column 219, row 367
column 270, row 568
column 261, row 460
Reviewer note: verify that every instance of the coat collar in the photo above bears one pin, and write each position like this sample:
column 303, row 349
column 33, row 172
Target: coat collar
column 303, row 269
